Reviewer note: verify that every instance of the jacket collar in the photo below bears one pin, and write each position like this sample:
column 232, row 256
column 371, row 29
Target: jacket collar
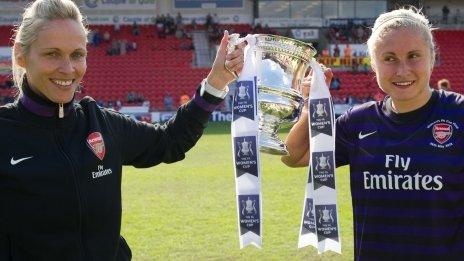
column 41, row 106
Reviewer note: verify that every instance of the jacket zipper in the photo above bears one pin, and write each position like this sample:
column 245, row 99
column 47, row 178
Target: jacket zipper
column 78, row 192
column 60, row 110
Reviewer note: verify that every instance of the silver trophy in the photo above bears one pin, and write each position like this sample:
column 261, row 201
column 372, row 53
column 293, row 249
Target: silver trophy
column 283, row 63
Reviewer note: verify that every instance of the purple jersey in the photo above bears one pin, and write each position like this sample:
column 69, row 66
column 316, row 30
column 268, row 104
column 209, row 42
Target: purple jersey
column 407, row 178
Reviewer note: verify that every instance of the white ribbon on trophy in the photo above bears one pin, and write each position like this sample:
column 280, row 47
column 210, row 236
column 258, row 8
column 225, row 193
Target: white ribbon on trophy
column 245, row 147
column 320, row 221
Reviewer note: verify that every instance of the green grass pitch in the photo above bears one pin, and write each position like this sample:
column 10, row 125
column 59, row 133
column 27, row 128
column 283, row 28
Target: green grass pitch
column 187, row 210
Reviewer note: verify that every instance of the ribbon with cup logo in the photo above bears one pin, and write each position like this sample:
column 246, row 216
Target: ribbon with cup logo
column 320, row 225
column 245, row 146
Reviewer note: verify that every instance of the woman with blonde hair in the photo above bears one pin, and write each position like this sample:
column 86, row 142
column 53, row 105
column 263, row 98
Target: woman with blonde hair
column 405, row 152
column 61, row 160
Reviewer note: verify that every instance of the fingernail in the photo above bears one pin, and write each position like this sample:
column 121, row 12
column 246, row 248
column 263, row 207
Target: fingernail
column 226, row 32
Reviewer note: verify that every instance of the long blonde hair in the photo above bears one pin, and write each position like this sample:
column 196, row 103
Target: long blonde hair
column 35, row 16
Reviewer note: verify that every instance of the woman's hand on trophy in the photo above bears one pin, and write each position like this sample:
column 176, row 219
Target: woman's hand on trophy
column 306, row 83
column 225, row 65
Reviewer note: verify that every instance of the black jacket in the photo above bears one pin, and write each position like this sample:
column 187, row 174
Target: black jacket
column 60, row 185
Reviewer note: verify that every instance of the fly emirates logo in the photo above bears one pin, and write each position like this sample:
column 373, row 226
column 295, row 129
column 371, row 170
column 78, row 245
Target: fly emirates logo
column 393, row 180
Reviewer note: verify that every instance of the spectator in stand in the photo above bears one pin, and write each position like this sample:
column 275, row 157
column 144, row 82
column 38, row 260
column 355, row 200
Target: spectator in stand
column 325, row 52
column 179, row 23
column 146, row 103
column 123, row 47
column 130, row 98
column 215, row 20
column 140, row 98
column 155, row 21
column 168, row 102
column 335, row 84
column 97, row 38
column 266, row 29
column 360, row 34
column 194, row 24
column 184, row 98
column 354, row 65
column 347, row 54
column 208, row 20
column 179, row 32
column 257, row 28
column 365, row 64
column 116, row 25
column 106, row 36
column 444, row 84
column 445, row 12
column 135, row 29
column 114, row 49
column 336, row 51
column 171, row 23
column 352, row 100
column 118, row 104
column 160, row 27
column 457, row 16
column 90, row 36
column 131, row 46
column 100, row 103
column 325, row 56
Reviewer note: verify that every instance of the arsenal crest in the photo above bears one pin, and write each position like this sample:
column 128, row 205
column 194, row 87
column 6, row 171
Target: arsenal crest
column 442, row 132
column 96, row 144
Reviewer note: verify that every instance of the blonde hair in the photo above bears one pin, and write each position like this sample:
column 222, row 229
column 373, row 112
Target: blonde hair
column 405, row 17
column 35, row 16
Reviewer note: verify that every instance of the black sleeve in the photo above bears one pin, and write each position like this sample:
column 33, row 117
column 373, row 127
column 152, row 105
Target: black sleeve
column 4, row 247
column 342, row 140
column 146, row 145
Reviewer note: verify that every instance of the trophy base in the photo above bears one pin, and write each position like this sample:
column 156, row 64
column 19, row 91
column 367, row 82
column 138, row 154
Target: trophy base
column 271, row 145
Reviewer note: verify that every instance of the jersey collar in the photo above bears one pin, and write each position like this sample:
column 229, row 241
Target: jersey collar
column 40, row 106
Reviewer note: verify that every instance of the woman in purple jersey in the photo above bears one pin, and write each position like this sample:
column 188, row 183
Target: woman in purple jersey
column 405, row 152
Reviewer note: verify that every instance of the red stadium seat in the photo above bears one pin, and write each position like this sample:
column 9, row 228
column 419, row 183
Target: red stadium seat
column 159, row 66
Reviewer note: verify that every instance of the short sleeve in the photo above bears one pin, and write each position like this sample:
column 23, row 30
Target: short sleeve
column 342, row 140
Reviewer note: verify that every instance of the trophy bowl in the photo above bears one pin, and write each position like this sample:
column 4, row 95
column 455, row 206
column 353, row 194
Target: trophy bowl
column 282, row 64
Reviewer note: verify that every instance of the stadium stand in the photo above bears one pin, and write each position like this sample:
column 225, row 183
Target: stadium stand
column 158, row 66
column 451, row 56
column 161, row 65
